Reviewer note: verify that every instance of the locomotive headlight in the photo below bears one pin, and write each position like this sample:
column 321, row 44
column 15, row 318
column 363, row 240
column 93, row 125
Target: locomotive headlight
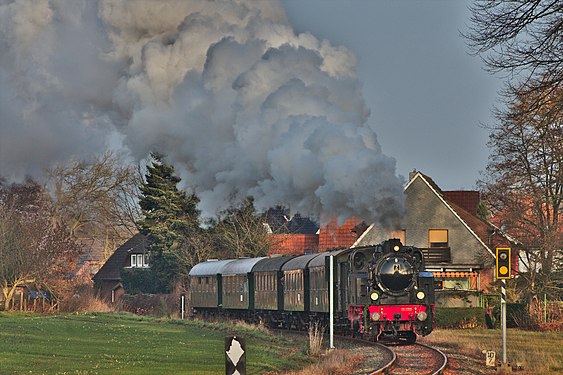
column 396, row 248
column 420, row 295
column 374, row 296
column 375, row 316
column 422, row 316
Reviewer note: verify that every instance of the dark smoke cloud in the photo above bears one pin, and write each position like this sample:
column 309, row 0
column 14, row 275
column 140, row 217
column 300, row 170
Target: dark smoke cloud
column 238, row 102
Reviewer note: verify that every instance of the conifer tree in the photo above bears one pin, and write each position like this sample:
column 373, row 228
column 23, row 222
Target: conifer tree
column 170, row 218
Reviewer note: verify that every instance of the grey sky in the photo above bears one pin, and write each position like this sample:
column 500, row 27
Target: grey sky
column 427, row 95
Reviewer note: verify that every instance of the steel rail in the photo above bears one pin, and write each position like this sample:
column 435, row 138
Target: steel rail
column 389, row 365
column 442, row 355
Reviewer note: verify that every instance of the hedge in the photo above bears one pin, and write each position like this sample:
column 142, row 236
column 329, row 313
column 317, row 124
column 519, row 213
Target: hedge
column 459, row 317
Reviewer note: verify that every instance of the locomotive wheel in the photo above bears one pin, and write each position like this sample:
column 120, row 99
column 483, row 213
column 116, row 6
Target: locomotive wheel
column 411, row 337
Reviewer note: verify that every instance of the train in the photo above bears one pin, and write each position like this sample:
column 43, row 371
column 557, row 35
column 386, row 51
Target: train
column 379, row 292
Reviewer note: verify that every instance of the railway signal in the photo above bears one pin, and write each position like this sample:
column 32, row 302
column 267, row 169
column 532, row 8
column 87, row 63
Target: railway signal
column 503, row 271
column 503, row 263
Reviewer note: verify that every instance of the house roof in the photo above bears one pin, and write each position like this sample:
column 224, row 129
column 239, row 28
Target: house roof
column 111, row 270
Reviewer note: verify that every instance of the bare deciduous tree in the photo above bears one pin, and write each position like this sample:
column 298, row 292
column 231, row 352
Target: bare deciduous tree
column 32, row 249
column 96, row 200
column 523, row 38
column 524, row 182
column 241, row 232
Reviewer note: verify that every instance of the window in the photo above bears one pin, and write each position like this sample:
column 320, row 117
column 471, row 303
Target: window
column 456, row 283
column 438, row 237
column 139, row 260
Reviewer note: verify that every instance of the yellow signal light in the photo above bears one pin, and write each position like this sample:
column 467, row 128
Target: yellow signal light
column 503, row 263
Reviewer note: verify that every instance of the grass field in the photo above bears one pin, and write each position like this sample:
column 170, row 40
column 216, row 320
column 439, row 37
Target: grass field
column 105, row 343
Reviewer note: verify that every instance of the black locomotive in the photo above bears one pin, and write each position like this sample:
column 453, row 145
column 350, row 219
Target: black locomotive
column 379, row 291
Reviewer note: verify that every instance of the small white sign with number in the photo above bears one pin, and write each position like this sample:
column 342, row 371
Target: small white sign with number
column 490, row 358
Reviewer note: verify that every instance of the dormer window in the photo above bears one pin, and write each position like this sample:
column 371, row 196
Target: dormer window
column 139, row 261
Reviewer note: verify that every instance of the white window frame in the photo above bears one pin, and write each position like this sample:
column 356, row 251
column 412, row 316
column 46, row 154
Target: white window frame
column 139, row 261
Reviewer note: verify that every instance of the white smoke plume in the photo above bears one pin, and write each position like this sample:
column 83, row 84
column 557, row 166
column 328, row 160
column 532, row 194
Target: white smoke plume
column 240, row 103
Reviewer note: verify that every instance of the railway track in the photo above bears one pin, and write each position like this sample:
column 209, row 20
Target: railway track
column 399, row 359
column 415, row 359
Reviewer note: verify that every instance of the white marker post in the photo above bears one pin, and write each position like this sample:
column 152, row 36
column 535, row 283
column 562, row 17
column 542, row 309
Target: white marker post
column 331, row 301
column 503, row 317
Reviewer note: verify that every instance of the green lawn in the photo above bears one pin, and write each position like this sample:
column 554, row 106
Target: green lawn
column 128, row 344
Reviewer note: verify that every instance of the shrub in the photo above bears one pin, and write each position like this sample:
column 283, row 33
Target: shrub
column 316, row 334
column 459, row 317
column 139, row 280
column 158, row 305
column 86, row 300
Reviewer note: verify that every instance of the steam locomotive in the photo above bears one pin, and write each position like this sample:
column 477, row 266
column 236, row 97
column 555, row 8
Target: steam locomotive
column 379, row 291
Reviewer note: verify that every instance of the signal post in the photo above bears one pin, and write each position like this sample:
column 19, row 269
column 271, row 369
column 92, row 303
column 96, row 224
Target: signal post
column 503, row 270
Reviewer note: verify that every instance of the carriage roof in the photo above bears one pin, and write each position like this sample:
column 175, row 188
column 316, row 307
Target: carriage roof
column 320, row 260
column 299, row 263
column 272, row 263
column 211, row 267
column 241, row 266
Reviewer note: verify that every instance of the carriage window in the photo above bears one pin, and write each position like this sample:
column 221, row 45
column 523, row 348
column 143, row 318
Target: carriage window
column 438, row 237
column 291, row 281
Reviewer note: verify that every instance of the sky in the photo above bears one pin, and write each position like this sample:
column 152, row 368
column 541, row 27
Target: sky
column 429, row 98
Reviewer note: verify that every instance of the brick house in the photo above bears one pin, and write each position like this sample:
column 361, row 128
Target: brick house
column 459, row 247
column 291, row 235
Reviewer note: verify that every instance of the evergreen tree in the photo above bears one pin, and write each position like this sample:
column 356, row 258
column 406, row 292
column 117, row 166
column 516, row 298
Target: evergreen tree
column 170, row 218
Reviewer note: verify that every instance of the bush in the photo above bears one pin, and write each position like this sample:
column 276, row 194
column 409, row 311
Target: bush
column 159, row 305
column 86, row 300
column 139, row 280
column 459, row 317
